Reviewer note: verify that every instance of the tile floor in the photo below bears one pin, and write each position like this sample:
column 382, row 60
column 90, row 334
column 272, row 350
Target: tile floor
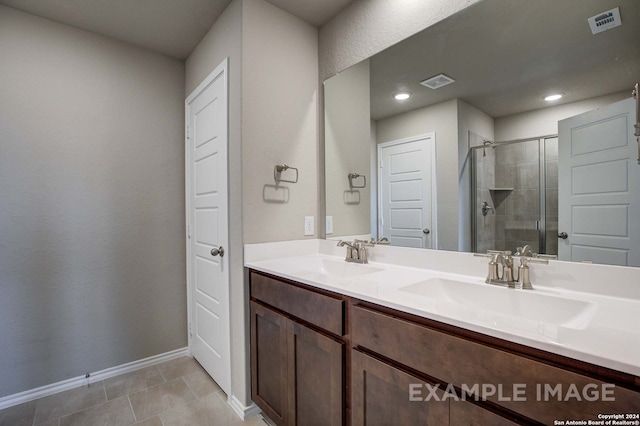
column 177, row 392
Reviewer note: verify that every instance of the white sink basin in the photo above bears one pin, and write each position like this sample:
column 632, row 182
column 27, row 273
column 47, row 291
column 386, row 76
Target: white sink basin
column 321, row 267
column 525, row 310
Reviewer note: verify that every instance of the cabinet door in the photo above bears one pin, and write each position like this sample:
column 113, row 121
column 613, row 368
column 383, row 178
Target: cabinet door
column 467, row 414
column 316, row 378
column 384, row 395
column 269, row 362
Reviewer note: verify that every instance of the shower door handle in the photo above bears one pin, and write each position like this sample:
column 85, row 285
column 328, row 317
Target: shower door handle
column 563, row 235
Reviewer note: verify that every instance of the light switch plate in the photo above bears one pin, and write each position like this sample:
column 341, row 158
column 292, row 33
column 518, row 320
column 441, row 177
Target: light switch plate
column 329, row 225
column 308, row 225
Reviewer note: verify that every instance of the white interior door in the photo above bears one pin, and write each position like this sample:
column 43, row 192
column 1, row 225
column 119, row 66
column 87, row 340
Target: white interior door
column 599, row 186
column 207, row 235
column 408, row 192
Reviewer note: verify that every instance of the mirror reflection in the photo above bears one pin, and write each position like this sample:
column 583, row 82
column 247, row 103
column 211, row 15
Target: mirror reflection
column 471, row 156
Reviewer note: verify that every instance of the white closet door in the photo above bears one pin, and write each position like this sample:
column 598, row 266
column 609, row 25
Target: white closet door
column 208, row 236
column 599, row 186
column 407, row 192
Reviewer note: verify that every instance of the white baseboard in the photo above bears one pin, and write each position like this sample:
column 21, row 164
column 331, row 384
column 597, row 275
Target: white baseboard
column 32, row 394
column 241, row 410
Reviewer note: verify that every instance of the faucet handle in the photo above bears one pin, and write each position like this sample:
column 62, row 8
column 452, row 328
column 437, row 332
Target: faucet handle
column 502, row 252
column 487, row 255
column 526, row 259
column 546, row 256
column 492, row 274
column 363, row 243
column 523, row 271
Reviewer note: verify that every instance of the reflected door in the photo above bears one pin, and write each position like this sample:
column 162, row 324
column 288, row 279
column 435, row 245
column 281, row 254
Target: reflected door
column 407, row 192
column 599, row 187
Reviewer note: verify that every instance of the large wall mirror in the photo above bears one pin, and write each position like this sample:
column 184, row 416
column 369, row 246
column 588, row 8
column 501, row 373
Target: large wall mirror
column 446, row 141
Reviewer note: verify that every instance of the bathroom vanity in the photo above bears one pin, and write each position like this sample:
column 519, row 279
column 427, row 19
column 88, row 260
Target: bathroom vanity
column 384, row 344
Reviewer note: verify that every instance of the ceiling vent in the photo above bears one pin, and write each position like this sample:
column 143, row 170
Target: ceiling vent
column 605, row 21
column 437, row 81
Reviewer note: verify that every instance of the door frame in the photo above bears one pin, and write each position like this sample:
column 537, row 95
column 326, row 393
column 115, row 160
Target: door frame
column 434, row 183
column 221, row 71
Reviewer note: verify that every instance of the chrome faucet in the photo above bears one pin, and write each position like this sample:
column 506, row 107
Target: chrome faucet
column 356, row 251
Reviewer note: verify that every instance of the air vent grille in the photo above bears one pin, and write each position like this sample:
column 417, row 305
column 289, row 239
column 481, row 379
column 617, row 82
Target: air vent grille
column 605, row 21
column 437, row 81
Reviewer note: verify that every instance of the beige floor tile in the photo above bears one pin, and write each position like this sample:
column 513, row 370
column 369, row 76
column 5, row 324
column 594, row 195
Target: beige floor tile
column 201, row 383
column 253, row 421
column 210, row 410
column 113, row 413
column 132, row 382
column 178, row 367
column 153, row 421
column 19, row 415
column 50, row 423
column 63, row 403
column 155, row 400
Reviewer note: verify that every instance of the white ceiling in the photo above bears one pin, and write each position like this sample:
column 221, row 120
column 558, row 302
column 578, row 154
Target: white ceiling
column 506, row 55
column 170, row 27
column 315, row 12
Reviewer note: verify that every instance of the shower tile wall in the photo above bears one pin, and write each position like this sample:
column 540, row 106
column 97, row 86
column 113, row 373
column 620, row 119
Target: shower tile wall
column 508, row 179
column 517, row 209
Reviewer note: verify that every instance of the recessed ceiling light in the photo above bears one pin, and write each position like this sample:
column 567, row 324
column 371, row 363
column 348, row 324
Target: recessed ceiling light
column 401, row 96
column 553, row 97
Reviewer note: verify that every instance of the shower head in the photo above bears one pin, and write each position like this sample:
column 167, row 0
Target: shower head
column 485, row 143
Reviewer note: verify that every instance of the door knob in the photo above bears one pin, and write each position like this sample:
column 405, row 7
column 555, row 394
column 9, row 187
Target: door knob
column 426, row 231
column 563, row 235
column 218, row 251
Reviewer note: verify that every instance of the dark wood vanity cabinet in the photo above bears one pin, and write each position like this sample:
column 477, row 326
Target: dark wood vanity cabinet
column 297, row 353
column 319, row 358
column 524, row 385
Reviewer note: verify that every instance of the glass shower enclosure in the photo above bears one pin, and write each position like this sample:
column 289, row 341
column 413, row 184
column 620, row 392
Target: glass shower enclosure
column 514, row 195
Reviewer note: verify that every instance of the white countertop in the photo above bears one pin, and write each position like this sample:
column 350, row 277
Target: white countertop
column 571, row 312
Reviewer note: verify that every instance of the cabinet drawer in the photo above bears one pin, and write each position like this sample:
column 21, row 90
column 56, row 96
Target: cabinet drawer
column 382, row 395
column 324, row 311
column 465, row 413
column 459, row 361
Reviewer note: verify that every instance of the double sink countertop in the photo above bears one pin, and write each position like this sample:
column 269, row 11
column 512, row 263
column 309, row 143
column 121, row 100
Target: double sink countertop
column 585, row 312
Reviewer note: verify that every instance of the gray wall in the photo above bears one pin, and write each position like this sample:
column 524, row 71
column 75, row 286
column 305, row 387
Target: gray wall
column 92, row 260
column 542, row 122
column 470, row 121
column 366, row 27
column 279, row 122
column 273, row 83
column 442, row 119
column 224, row 40
column 348, row 150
